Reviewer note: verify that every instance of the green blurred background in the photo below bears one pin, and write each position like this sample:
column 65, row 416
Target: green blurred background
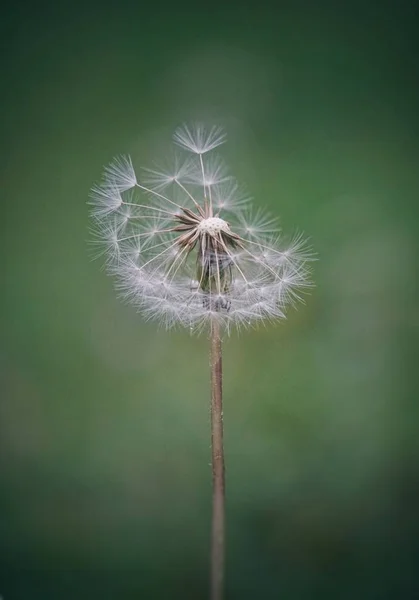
column 105, row 481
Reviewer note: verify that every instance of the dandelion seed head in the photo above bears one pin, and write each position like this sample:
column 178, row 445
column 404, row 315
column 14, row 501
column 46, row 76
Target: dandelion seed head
column 185, row 244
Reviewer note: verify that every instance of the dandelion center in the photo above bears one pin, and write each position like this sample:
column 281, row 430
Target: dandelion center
column 213, row 226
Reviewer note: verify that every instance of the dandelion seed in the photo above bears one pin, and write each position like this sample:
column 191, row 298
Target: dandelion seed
column 120, row 174
column 198, row 139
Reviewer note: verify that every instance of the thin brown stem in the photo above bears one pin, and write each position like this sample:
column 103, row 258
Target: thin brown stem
column 218, row 482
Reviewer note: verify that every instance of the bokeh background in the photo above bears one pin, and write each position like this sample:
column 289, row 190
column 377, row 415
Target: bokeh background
column 105, row 480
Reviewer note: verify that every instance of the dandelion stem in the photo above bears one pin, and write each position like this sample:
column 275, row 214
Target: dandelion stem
column 218, row 482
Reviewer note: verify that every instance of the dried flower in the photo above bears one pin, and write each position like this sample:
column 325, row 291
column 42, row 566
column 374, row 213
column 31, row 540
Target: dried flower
column 186, row 246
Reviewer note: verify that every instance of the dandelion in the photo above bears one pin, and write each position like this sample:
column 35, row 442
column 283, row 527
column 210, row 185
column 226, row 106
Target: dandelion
column 187, row 248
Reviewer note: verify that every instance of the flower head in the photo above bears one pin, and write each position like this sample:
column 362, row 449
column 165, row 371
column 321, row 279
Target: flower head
column 185, row 245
